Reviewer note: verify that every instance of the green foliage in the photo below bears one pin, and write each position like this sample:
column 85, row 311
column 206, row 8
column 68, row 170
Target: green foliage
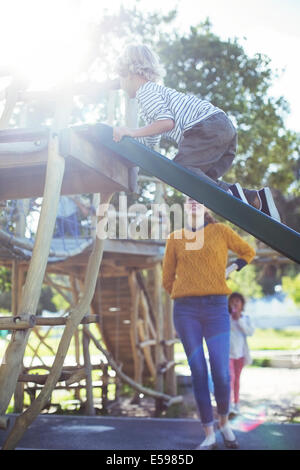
column 220, row 71
column 45, row 302
column 59, row 302
column 291, row 286
column 5, row 280
column 245, row 282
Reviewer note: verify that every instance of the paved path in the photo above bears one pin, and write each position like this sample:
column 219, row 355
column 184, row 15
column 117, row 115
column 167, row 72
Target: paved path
column 54, row 432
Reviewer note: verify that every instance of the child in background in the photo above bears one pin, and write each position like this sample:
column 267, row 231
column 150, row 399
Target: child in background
column 240, row 328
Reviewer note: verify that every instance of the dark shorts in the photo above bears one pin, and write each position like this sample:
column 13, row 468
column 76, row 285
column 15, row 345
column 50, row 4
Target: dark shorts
column 209, row 146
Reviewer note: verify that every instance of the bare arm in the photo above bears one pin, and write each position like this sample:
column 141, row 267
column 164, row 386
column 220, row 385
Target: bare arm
column 155, row 128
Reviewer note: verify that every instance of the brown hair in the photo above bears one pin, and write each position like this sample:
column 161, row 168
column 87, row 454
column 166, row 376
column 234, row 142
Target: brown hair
column 208, row 217
column 236, row 295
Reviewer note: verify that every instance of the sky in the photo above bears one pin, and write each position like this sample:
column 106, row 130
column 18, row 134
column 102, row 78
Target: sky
column 270, row 27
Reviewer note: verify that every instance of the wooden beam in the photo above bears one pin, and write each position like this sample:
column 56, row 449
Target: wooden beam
column 4, row 422
column 17, row 323
column 146, row 349
column 171, row 384
column 159, row 353
column 136, row 353
column 23, row 421
column 10, row 103
column 42, row 378
column 75, row 296
column 146, row 343
column 12, row 365
column 76, row 377
column 14, row 287
column 139, row 388
column 89, row 408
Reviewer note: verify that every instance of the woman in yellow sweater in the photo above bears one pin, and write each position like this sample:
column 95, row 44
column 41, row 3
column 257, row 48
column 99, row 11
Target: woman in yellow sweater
column 196, row 280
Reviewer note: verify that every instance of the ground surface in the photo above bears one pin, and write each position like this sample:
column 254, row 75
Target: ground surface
column 271, row 392
column 52, row 432
column 270, row 398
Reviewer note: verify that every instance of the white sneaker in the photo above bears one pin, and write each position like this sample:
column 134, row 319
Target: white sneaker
column 267, row 204
column 237, row 191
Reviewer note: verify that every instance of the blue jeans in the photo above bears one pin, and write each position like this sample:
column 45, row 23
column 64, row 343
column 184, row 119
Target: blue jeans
column 206, row 317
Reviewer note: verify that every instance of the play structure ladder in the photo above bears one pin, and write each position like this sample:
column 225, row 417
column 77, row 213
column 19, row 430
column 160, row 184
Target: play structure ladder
column 275, row 234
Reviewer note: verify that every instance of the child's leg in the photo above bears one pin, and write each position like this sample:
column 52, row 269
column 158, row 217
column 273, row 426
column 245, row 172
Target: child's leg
column 209, row 148
column 232, row 379
column 238, row 367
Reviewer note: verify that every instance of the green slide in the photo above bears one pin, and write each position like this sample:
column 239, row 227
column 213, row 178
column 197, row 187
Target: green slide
column 278, row 236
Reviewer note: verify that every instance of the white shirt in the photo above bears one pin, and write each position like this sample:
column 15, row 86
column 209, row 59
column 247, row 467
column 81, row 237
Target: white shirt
column 157, row 102
column 239, row 330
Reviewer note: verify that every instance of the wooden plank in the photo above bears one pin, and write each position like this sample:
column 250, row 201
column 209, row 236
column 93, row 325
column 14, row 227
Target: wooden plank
column 13, row 158
column 28, row 181
column 24, row 135
column 72, row 144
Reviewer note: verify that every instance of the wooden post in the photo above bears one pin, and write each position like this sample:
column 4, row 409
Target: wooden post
column 15, row 298
column 131, row 120
column 23, row 207
column 23, row 421
column 11, row 99
column 76, row 334
column 136, row 353
column 159, row 352
column 146, row 349
column 111, row 107
column 12, row 363
column 4, row 422
column 14, row 287
column 89, row 406
column 171, row 385
column 104, row 391
column 156, row 220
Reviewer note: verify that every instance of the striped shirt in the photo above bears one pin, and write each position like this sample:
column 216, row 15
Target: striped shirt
column 157, row 102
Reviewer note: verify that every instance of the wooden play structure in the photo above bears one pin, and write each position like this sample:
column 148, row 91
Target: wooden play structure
column 125, row 297
column 32, row 165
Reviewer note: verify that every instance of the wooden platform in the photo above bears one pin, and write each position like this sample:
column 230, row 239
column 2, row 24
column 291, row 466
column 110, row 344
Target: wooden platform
column 112, row 299
column 89, row 168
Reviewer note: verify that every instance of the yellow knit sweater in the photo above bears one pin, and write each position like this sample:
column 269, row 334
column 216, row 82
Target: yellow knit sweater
column 201, row 272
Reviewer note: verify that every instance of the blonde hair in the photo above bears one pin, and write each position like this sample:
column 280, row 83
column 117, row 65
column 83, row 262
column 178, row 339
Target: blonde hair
column 141, row 60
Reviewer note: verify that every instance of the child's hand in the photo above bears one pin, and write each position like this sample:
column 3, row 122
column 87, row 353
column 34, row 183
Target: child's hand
column 236, row 315
column 120, row 132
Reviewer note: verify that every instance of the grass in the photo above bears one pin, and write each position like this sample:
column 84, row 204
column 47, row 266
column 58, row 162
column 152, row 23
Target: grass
column 272, row 339
column 269, row 339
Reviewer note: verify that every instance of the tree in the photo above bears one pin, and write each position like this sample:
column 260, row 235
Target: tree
column 245, row 282
column 291, row 286
column 220, row 71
